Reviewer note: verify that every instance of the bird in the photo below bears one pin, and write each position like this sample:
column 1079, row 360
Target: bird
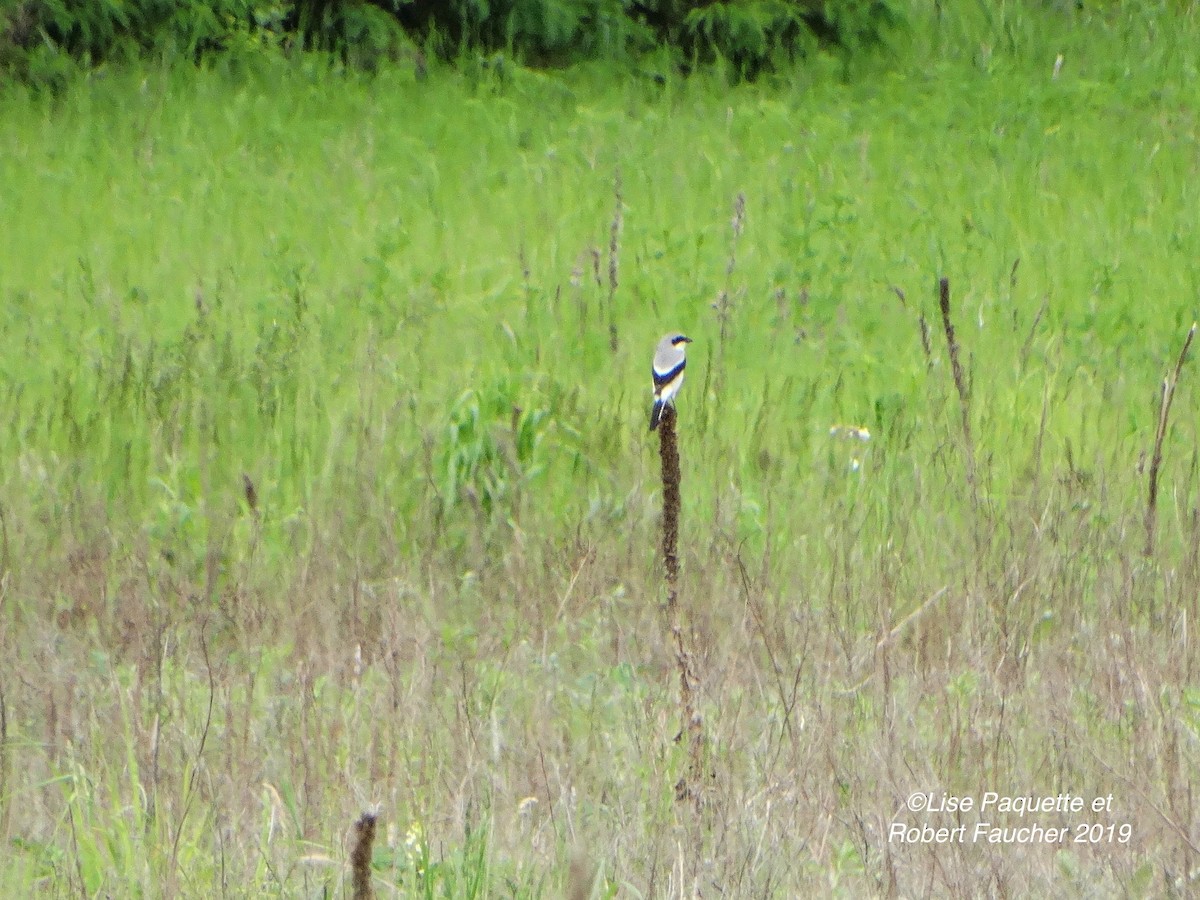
column 669, row 359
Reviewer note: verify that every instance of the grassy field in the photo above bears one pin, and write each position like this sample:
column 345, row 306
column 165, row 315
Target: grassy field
column 417, row 317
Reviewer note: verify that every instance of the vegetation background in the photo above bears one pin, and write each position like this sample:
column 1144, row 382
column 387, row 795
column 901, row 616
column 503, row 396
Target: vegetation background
column 325, row 484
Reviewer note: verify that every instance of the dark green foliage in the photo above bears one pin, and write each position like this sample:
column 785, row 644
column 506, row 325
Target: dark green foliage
column 757, row 34
column 42, row 40
column 753, row 34
column 101, row 29
column 543, row 31
column 363, row 34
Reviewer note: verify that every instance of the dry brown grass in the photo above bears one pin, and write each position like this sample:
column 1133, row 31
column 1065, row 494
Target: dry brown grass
column 830, row 693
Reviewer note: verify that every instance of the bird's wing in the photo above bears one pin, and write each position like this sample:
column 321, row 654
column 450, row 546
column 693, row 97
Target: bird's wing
column 662, row 378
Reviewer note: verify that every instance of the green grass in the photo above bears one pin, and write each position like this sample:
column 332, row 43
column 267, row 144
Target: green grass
column 388, row 303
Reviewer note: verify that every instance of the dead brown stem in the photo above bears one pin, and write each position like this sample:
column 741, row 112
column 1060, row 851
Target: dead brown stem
column 1164, row 411
column 688, row 785
column 960, row 384
column 614, row 255
column 360, row 857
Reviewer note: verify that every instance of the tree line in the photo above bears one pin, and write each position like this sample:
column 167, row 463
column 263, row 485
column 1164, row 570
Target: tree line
column 42, row 41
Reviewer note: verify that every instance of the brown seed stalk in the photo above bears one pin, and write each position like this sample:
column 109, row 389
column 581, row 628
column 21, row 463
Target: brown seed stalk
column 360, row 857
column 1164, row 412
column 960, row 384
column 250, row 493
column 614, row 255
column 688, row 785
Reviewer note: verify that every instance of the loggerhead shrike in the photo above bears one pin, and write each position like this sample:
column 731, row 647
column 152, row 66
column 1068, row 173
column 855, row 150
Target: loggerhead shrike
column 669, row 359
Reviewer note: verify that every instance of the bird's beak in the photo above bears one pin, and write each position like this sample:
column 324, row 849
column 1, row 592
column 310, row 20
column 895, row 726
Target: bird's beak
column 687, row 340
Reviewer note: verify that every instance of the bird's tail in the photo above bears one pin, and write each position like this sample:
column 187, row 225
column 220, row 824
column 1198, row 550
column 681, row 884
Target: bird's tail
column 656, row 413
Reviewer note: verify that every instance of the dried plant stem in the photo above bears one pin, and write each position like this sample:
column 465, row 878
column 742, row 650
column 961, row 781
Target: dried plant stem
column 83, row 891
column 1025, row 348
column 614, row 255
column 5, row 786
column 360, row 857
column 926, row 344
column 191, row 791
column 1164, row 411
column 693, row 726
column 960, row 384
column 723, row 306
column 251, row 494
column 4, row 555
column 4, row 766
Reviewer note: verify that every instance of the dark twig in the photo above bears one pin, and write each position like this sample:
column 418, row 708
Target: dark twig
column 960, row 384
column 926, row 344
column 4, row 555
column 614, row 255
column 190, row 795
column 250, row 493
column 1164, row 411
column 4, row 761
column 724, row 302
column 1025, row 348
